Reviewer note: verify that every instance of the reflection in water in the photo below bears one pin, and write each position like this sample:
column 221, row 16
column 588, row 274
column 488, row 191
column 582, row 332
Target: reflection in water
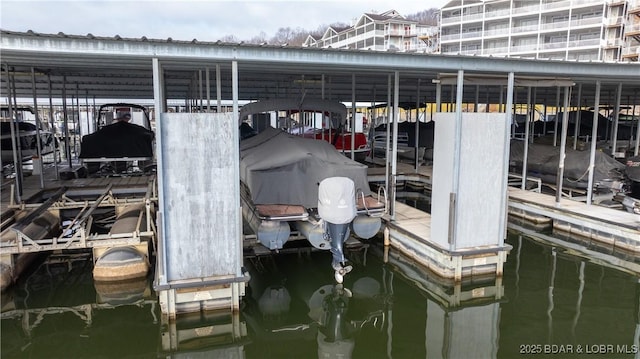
column 57, row 313
column 375, row 314
column 386, row 308
column 333, row 314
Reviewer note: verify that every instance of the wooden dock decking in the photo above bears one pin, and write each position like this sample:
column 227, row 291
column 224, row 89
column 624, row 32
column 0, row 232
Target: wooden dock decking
column 617, row 228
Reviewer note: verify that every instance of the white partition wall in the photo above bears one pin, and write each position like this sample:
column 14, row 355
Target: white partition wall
column 470, row 215
column 201, row 239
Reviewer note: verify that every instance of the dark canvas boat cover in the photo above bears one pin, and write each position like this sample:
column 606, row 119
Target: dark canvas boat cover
column 279, row 168
column 425, row 132
column 633, row 168
column 542, row 161
column 120, row 139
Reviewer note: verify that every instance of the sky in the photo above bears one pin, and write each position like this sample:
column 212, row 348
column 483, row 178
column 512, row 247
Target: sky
column 205, row 20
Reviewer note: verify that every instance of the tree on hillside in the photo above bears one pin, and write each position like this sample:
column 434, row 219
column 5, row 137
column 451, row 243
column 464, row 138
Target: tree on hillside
column 297, row 36
column 260, row 39
column 429, row 17
column 230, row 39
column 289, row 36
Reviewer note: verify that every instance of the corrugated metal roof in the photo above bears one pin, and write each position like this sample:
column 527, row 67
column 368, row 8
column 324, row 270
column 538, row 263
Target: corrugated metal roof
column 116, row 67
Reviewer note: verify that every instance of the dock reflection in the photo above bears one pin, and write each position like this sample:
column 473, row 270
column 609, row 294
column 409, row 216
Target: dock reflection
column 454, row 311
column 387, row 308
column 291, row 297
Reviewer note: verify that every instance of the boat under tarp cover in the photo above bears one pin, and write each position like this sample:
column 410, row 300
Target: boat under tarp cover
column 633, row 172
column 118, row 140
column 542, row 162
column 280, row 168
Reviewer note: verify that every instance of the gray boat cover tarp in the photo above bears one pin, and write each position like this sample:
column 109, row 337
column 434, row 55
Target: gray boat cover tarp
column 279, row 168
column 542, row 161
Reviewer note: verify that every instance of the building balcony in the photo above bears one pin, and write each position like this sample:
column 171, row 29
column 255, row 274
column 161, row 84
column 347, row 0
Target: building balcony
column 473, row 18
column 472, row 35
column 400, row 33
column 448, row 38
column 631, row 54
column 555, row 5
column 614, row 21
column 497, row 14
column 527, row 28
column 526, row 10
column 612, row 43
column 631, row 30
column 613, row 3
column 504, row 32
column 450, row 20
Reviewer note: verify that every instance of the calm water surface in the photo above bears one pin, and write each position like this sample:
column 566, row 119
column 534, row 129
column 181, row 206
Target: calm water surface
column 548, row 304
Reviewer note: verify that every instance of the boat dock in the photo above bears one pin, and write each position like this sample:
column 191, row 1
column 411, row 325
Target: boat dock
column 616, row 228
column 407, row 229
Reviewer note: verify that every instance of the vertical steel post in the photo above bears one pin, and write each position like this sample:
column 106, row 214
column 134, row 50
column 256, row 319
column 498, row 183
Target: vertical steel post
column 67, row 135
column 505, row 158
column 208, row 85
column 576, row 130
column 453, row 203
column 15, row 137
column 555, row 122
column 525, row 156
column 394, row 154
column 388, row 147
column 353, row 116
column 616, row 116
column 38, row 124
column 563, row 145
column 417, row 128
column 56, row 145
column 159, row 109
column 236, row 155
column 218, row 89
column 594, row 136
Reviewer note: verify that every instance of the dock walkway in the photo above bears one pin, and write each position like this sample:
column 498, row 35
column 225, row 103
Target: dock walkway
column 615, row 227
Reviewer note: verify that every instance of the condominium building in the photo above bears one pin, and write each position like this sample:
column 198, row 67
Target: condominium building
column 583, row 30
column 381, row 32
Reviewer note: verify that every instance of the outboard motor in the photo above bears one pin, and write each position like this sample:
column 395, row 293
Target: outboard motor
column 336, row 332
column 337, row 208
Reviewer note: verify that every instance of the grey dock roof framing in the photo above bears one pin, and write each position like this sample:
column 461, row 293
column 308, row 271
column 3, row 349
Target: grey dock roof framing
column 119, row 68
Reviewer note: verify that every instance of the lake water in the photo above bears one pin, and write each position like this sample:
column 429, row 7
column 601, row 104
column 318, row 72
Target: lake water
column 549, row 303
